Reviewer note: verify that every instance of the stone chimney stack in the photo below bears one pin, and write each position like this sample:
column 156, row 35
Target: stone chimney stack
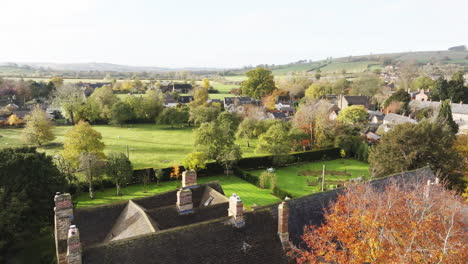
column 63, row 218
column 283, row 224
column 189, row 178
column 74, row 246
column 236, row 210
column 184, row 201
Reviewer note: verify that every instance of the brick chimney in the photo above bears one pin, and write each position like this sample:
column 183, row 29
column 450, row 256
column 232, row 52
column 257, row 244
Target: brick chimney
column 63, row 217
column 189, row 178
column 184, row 201
column 74, row 246
column 283, row 224
column 236, row 210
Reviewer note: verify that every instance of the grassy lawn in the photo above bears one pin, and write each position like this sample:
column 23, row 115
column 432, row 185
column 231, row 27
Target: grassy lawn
column 297, row 185
column 250, row 194
column 149, row 145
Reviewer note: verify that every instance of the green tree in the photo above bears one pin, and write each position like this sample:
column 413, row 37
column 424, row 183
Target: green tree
column 423, row 83
column 56, row 81
column 82, row 139
column 173, row 116
column 203, row 114
column 70, row 98
column 200, row 96
column 229, row 120
column 367, row 86
column 318, row 90
column 121, row 113
column 260, row 82
column 119, row 169
column 411, row 146
column 341, row 86
column 152, row 105
column 38, row 128
column 104, row 98
column 247, row 129
column 92, row 167
column 457, row 91
column 275, row 141
column 213, row 139
column 445, row 116
column 318, row 74
column 400, row 96
column 440, row 90
column 229, row 156
column 28, row 182
column 195, row 161
column 352, row 115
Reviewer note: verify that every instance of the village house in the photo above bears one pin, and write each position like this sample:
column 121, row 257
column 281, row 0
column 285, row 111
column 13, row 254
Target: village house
column 195, row 224
column 171, row 100
column 375, row 117
column 347, row 100
column 332, row 109
column 420, row 95
column 278, row 115
column 168, row 87
column 394, row 119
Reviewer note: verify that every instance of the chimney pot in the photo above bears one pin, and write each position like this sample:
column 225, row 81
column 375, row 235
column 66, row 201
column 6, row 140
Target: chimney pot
column 73, row 246
column 189, row 178
column 184, row 201
column 283, row 224
column 236, row 210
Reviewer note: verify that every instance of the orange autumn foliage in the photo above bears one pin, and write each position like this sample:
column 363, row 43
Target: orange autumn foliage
column 175, row 174
column 409, row 223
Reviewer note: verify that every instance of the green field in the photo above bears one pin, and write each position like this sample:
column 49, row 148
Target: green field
column 149, row 145
column 295, row 184
column 250, row 194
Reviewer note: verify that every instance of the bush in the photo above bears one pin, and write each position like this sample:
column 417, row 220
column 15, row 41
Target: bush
column 266, row 180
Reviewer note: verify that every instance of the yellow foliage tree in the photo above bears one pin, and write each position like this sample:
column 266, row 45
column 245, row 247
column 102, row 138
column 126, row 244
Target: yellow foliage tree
column 14, row 120
column 38, row 128
column 82, row 139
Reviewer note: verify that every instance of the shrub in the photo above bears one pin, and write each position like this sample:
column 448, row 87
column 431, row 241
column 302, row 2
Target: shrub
column 267, row 180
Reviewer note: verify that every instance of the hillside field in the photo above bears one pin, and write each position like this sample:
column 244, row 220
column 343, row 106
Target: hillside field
column 149, row 145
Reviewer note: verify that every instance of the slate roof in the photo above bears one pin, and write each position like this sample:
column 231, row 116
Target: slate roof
column 456, row 108
column 357, row 100
column 398, row 119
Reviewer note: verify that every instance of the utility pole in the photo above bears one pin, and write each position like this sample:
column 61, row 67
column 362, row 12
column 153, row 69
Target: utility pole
column 323, row 176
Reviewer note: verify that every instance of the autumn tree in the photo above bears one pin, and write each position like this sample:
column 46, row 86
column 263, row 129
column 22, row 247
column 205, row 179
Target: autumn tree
column 57, row 81
column 405, row 223
column 367, row 85
column 260, row 82
column 411, row 146
column 14, row 120
column 104, row 98
column 206, row 83
column 38, row 128
column 82, row 139
column 318, row 90
column 119, row 169
column 355, row 114
column 200, row 96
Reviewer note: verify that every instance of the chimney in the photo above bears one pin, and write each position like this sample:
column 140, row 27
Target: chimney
column 189, row 178
column 74, row 246
column 184, row 201
column 62, row 221
column 236, row 210
column 283, row 224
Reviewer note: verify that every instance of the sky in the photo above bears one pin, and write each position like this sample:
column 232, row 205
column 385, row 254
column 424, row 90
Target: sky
column 217, row 33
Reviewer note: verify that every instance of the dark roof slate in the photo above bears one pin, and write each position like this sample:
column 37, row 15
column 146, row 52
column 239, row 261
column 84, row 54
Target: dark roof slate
column 216, row 241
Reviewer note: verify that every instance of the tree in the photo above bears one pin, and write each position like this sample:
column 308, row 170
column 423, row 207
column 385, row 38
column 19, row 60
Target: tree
column 440, row 90
column 28, row 182
column 275, row 141
column 423, row 83
column 38, row 128
column 405, row 223
column 267, row 179
column 247, row 129
column 408, row 72
column 119, row 169
column 367, row 86
column 461, row 147
column 56, row 81
column 411, row 146
column 212, row 139
column 260, row 82
column 82, row 139
column 457, row 91
column 318, row 74
column 206, row 83
column 69, row 97
column 295, row 86
column 200, row 96
column 229, row 120
column 318, row 90
column 152, row 105
column 445, row 116
column 229, row 156
column 195, row 161
column 173, row 116
column 121, row 113
column 341, row 86
column 203, row 114
column 104, row 98
column 14, row 120
column 352, row 115
column 402, row 97
column 92, row 166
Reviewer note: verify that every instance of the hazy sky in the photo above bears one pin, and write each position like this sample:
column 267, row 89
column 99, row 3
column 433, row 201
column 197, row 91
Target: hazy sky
column 217, row 33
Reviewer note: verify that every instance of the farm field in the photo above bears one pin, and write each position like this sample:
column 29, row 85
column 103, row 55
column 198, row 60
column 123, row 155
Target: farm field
column 149, row 145
column 250, row 194
column 337, row 171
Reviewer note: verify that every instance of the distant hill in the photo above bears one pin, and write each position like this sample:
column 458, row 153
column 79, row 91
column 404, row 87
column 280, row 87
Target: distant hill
column 356, row 64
